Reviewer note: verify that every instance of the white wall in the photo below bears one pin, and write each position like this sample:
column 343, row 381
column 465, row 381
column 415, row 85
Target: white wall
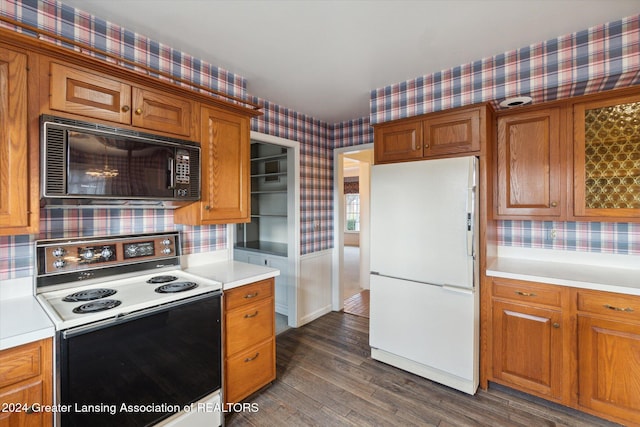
column 314, row 291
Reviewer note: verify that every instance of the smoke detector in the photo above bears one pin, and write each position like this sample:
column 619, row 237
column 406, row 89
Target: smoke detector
column 515, row 102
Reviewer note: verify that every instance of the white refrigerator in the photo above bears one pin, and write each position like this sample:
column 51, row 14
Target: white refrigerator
column 424, row 271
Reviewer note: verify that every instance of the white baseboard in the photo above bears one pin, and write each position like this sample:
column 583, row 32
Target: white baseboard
column 315, row 315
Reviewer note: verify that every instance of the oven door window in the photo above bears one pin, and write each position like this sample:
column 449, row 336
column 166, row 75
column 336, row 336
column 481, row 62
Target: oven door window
column 168, row 358
column 109, row 166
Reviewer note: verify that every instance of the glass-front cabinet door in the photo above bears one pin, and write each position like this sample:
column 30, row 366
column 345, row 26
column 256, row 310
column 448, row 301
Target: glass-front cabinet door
column 607, row 158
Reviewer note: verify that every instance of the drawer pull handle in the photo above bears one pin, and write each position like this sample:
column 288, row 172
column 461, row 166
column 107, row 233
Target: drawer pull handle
column 251, row 359
column 248, row 316
column 525, row 294
column 614, row 308
column 251, row 295
column 556, row 325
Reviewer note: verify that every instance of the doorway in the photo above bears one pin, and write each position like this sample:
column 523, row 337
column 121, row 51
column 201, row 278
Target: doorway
column 350, row 286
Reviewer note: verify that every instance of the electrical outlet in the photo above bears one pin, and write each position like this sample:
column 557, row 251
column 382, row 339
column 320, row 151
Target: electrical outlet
column 553, row 234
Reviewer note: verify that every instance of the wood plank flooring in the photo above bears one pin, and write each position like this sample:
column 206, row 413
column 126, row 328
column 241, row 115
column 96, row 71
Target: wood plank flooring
column 326, row 377
column 358, row 304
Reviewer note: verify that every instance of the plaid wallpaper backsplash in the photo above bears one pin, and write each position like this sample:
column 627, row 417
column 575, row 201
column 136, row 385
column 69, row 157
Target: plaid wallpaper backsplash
column 600, row 58
column 603, row 237
column 16, row 252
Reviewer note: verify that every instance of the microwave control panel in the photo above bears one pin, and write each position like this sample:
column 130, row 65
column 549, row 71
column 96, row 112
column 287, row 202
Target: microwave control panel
column 182, row 167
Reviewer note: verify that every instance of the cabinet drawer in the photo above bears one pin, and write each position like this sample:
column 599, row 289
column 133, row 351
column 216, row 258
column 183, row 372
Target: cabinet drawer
column 606, row 303
column 20, row 363
column 248, row 294
column 249, row 371
column 528, row 292
column 249, row 325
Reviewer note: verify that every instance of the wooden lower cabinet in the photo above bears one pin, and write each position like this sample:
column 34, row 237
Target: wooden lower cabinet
column 26, row 385
column 580, row 348
column 527, row 347
column 609, row 355
column 249, row 339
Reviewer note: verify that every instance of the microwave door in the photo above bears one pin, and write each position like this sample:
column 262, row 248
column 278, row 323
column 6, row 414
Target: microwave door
column 103, row 166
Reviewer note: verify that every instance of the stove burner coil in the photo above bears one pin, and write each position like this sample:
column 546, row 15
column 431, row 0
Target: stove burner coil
column 162, row 279
column 89, row 295
column 95, row 306
column 176, row 287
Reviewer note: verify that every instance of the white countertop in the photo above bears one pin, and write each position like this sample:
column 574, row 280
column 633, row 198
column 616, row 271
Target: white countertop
column 233, row 273
column 22, row 320
column 603, row 272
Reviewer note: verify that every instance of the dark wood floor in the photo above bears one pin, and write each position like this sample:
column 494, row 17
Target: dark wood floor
column 326, row 377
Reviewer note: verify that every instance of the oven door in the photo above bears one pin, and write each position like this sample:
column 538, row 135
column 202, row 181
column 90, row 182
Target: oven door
column 140, row 368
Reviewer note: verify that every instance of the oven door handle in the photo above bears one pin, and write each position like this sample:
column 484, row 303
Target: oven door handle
column 126, row 317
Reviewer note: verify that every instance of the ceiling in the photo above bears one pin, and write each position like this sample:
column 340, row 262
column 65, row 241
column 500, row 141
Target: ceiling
column 323, row 57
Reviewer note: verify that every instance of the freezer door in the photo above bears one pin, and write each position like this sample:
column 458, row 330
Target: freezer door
column 433, row 326
column 420, row 221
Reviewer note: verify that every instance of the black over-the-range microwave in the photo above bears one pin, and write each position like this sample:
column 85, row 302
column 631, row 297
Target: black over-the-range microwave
column 88, row 164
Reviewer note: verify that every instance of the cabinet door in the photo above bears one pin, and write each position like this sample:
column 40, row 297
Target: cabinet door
column 14, row 180
column 398, row 142
column 452, row 133
column 607, row 158
column 609, row 367
column 226, row 167
column 88, row 94
column 529, row 164
column 527, row 347
column 27, row 395
column 161, row 112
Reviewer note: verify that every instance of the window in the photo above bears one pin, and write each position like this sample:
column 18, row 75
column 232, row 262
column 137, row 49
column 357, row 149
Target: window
column 352, row 212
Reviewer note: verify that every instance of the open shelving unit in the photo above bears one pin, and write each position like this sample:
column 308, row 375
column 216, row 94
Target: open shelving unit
column 265, row 240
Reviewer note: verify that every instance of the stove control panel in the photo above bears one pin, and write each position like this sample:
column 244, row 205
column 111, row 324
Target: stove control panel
column 69, row 256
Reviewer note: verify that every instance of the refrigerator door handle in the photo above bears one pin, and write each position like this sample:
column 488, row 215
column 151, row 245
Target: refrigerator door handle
column 457, row 289
column 471, row 208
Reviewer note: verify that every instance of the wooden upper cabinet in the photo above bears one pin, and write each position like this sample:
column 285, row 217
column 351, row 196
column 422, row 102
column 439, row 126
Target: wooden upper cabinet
column 16, row 215
column 398, row 142
column 442, row 134
column 226, row 171
column 452, row 133
column 162, row 112
column 91, row 94
column 87, row 94
column 606, row 162
column 530, row 164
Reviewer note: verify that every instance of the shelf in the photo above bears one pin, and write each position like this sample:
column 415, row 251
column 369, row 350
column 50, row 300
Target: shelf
column 262, row 175
column 269, row 192
column 272, row 248
column 272, row 157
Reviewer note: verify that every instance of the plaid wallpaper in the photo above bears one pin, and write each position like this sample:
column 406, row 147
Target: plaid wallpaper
column 600, row 58
column 606, row 237
column 74, row 24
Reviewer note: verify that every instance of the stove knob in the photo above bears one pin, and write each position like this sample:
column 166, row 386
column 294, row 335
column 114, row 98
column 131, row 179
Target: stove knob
column 88, row 254
column 166, row 251
column 166, row 242
column 132, row 251
column 59, row 263
column 58, row 252
column 106, row 253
